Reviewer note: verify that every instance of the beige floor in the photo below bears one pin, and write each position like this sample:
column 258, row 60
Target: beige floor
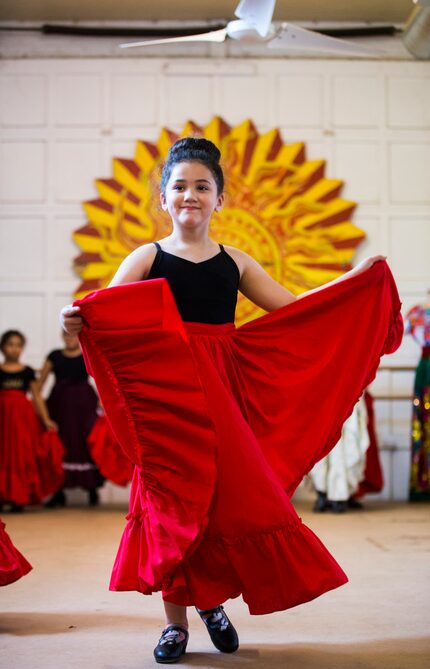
column 62, row 616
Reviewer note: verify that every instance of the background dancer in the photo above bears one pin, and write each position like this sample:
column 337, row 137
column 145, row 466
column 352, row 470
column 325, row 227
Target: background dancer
column 72, row 404
column 30, row 459
column 338, row 477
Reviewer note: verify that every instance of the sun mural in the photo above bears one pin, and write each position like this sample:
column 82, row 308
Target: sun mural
column 279, row 208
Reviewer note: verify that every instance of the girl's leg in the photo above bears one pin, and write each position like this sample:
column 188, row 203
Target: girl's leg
column 175, row 615
column 174, row 639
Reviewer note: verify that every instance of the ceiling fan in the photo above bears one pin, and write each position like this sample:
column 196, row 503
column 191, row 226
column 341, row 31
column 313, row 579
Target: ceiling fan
column 254, row 25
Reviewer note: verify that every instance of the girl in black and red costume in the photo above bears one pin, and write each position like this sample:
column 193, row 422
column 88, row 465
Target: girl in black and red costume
column 72, row 404
column 30, row 457
column 217, row 420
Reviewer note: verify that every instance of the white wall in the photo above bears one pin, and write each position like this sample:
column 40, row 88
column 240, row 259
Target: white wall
column 63, row 120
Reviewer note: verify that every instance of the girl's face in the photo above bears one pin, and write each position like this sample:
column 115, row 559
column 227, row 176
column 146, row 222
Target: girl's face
column 13, row 348
column 71, row 342
column 191, row 195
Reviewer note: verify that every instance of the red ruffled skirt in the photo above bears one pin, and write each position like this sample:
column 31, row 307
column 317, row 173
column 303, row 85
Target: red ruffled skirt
column 13, row 564
column 219, row 425
column 108, row 455
column 30, row 457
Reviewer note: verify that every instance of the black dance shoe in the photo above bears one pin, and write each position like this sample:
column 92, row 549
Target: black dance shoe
column 58, row 499
column 353, row 503
column 172, row 644
column 339, row 507
column 321, row 503
column 16, row 508
column 221, row 631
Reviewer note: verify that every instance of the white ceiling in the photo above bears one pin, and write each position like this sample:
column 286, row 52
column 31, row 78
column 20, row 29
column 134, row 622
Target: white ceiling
column 386, row 11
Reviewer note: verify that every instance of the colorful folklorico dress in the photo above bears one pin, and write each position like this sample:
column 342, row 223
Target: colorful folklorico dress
column 220, row 427
column 13, row 564
column 30, row 457
column 418, row 325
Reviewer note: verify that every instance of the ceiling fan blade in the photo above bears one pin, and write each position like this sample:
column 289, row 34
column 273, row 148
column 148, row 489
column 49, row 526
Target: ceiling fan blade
column 258, row 13
column 293, row 38
column 213, row 36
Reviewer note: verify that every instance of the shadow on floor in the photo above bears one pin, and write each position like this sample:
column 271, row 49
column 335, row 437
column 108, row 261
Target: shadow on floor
column 407, row 653
column 380, row 654
column 27, row 623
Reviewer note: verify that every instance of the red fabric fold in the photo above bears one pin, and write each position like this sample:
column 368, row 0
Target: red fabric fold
column 373, row 479
column 146, row 376
column 13, row 564
column 108, row 455
column 219, row 424
column 328, row 343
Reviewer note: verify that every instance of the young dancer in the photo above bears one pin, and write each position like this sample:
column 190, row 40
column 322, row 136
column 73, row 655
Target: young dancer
column 72, row 404
column 352, row 468
column 217, row 420
column 30, row 459
column 337, row 476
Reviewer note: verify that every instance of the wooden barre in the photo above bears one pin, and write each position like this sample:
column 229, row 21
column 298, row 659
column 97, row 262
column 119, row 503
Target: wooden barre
column 392, row 397
column 399, row 368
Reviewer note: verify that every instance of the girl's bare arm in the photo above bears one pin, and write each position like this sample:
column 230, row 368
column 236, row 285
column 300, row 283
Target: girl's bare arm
column 265, row 292
column 41, row 406
column 46, row 370
column 134, row 267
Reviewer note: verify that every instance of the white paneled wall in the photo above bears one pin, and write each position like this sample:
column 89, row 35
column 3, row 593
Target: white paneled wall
column 62, row 121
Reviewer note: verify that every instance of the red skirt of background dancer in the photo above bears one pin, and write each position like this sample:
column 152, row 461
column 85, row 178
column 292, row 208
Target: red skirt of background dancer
column 13, row 565
column 373, row 478
column 30, row 458
column 221, row 425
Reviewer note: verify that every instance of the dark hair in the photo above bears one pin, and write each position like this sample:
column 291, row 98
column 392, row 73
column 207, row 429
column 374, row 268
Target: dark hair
column 194, row 149
column 11, row 333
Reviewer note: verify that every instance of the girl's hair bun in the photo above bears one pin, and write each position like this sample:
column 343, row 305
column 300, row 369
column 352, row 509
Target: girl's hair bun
column 192, row 145
column 194, row 149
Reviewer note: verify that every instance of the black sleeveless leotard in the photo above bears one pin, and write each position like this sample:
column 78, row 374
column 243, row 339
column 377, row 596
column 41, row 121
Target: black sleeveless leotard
column 205, row 292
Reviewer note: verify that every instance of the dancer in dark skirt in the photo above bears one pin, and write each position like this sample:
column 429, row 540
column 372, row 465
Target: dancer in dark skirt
column 72, row 404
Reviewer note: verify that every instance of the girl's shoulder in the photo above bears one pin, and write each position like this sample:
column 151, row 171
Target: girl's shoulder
column 238, row 253
column 145, row 250
column 25, row 370
column 142, row 256
column 241, row 258
column 54, row 355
